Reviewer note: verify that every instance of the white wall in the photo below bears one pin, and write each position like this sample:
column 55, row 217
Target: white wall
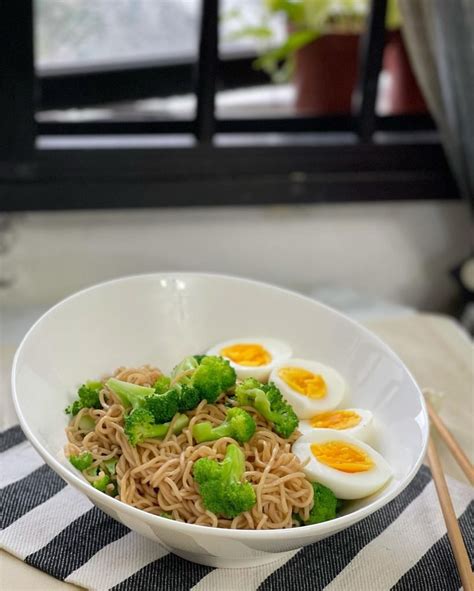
column 400, row 251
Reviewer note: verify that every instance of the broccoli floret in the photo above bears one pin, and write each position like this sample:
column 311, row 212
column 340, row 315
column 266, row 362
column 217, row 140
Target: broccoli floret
column 196, row 378
column 131, row 395
column 238, row 424
column 110, row 466
column 325, row 505
column 267, row 399
column 86, row 423
column 101, row 479
column 87, row 397
column 188, row 397
column 220, row 484
column 101, row 483
column 210, row 377
column 140, row 425
column 82, row 461
column 185, row 368
column 213, row 376
column 162, row 406
column 162, row 384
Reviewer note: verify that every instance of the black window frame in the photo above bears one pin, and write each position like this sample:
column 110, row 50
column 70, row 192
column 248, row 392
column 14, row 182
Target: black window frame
column 358, row 157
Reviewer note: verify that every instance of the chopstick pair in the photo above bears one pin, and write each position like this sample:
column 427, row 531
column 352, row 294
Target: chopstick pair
column 454, row 533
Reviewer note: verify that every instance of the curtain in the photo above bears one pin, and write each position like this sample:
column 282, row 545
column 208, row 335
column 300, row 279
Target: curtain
column 439, row 35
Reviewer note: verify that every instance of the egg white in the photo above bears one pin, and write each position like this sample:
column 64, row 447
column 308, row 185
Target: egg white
column 364, row 431
column 278, row 350
column 304, row 406
column 344, row 485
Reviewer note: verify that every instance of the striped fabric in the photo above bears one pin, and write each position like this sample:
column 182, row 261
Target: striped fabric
column 54, row 528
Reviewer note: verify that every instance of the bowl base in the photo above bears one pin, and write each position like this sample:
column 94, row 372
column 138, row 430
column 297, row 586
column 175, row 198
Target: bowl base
column 220, row 562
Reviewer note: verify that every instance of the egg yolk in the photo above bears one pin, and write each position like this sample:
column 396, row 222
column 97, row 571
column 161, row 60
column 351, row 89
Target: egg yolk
column 335, row 419
column 303, row 381
column 250, row 354
column 342, row 456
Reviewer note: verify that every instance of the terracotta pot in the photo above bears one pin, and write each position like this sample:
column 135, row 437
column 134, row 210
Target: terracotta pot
column 326, row 73
column 405, row 95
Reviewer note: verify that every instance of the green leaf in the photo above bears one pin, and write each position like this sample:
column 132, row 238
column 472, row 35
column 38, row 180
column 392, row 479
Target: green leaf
column 269, row 62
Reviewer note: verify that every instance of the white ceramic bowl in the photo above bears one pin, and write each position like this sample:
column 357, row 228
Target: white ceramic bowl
column 159, row 319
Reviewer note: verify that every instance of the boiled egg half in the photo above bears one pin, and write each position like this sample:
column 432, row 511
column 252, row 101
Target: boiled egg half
column 310, row 387
column 356, row 422
column 252, row 357
column 350, row 468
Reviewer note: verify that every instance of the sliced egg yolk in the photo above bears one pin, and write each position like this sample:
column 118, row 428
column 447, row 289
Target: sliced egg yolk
column 336, row 419
column 303, row 381
column 250, row 354
column 342, row 456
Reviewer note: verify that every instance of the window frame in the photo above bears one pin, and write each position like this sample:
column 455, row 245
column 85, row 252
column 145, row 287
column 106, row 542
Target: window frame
column 358, row 157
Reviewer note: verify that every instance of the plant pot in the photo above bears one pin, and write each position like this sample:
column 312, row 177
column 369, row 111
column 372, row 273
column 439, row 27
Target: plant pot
column 326, row 73
column 404, row 95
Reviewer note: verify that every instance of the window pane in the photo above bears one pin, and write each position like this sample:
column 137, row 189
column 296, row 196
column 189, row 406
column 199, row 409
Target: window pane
column 82, row 32
column 95, row 35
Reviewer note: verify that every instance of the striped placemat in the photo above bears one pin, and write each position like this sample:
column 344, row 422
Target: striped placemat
column 54, row 528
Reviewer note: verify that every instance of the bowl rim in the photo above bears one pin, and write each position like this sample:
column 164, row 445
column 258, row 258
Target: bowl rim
column 325, row 528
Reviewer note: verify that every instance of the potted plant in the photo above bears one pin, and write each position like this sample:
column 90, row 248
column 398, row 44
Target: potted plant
column 405, row 94
column 320, row 54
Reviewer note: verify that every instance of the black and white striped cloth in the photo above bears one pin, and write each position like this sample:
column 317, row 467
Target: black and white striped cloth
column 52, row 527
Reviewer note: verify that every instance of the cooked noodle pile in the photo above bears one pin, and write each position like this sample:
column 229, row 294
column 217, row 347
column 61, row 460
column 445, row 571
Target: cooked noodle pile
column 156, row 475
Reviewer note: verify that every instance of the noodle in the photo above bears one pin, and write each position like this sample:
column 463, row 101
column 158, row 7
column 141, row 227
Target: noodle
column 156, row 475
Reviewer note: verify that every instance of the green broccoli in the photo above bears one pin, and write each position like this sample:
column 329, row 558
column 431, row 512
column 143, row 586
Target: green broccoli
column 82, row 461
column 210, row 377
column 185, row 367
column 220, row 484
column 110, row 466
column 140, row 425
column 101, row 482
column 131, row 395
column 101, row 479
column 267, row 399
column 325, row 505
column 86, row 423
column 163, row 406
column 162, row 384
column 88, row 397
column 238, row 424
column 188, row 397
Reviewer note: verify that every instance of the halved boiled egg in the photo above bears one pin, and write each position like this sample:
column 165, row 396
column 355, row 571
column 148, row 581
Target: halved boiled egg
column 356, row 422
column 310, row 387
column 252, row 357
column 350, row 468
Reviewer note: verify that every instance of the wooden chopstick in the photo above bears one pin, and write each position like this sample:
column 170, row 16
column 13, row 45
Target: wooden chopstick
column 453, row 445
column 454, row 533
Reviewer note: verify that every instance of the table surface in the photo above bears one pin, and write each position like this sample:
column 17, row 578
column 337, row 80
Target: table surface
column 435, row 349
